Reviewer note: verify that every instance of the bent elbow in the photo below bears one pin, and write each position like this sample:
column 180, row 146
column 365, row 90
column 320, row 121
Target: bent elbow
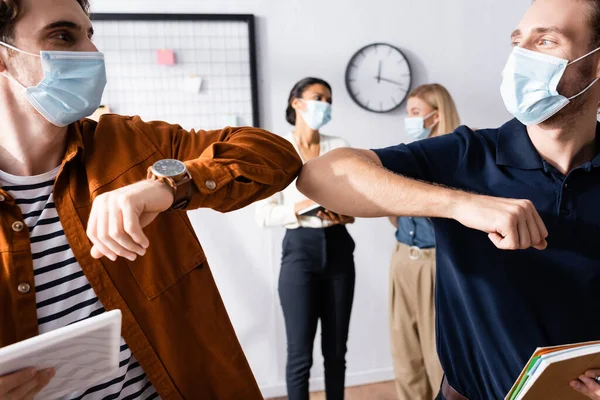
column 304, row 182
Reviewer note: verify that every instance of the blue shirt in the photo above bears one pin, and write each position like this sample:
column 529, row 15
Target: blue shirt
column 494, row 307
column 413, row 231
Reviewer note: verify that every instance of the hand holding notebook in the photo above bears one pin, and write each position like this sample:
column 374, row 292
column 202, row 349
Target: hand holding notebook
column 81, row 355
column 550, row 371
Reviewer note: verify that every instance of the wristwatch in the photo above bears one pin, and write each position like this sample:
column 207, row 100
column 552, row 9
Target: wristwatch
column 175, row 174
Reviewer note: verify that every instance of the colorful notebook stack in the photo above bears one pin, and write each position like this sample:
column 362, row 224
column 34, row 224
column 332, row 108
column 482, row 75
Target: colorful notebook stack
column 550, row 369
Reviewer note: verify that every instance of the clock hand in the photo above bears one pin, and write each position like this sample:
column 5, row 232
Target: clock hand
column 379, row 73
column 389, row 80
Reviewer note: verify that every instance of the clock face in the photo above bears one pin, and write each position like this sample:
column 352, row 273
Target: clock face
column 378, row 78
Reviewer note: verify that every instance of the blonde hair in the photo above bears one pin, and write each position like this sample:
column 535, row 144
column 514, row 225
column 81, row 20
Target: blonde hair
column 440, row 100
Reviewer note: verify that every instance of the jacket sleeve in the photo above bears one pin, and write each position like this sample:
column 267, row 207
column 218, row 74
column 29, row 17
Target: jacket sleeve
column 231, row 168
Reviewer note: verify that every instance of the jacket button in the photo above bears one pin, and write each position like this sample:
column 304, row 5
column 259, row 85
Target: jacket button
column 24, row 288
column 211, row 185
column 2, row 198
column 18, row 226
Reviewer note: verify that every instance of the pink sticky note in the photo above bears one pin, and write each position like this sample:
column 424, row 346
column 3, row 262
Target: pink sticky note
column 165, row 57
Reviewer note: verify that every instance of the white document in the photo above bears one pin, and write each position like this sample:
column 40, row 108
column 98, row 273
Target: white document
column 192, row 84
column 83, row 354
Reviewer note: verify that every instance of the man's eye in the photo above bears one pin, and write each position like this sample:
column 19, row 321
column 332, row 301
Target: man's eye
column 63, row 37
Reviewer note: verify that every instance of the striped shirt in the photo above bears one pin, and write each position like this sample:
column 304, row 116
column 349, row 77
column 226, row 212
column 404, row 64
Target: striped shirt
column 63, row 293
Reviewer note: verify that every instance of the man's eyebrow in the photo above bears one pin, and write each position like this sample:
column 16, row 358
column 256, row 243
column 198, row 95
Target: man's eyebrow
column 61, row 24
column 551, row 29
column 68, row 25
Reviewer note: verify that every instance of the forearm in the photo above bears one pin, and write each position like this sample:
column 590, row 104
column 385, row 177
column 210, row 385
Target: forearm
column 268, row 215
column 231, row 167
column 353, row 182
column 246, row 164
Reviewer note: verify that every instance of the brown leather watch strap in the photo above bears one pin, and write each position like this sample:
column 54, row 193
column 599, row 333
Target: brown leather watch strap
column 182, row 189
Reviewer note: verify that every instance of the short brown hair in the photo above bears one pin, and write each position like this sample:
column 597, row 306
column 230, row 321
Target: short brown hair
column 594, row 21
column 10, row 11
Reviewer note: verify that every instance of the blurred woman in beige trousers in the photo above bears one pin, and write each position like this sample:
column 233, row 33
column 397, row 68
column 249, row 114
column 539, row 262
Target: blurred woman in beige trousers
column 431, row 112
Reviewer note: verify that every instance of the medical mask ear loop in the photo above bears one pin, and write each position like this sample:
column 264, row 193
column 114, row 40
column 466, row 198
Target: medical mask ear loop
column 584, row 56
column 10, row 78
column 591, row 84
column 425, row 118
column 20, row 51
column 431, row 114
column 585, row 90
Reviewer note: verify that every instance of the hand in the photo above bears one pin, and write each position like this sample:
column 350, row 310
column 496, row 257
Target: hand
column 587, row 385
column 379, row 73
column 24, row 384
column 118, row 217
column 334, row 218
column 303, row 205
column 511, row 224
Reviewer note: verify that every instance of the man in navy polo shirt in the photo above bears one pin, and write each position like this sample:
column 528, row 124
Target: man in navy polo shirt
column 502, row 289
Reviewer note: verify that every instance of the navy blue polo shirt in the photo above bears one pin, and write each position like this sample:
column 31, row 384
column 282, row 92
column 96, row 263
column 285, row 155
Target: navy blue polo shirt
column 494, row 307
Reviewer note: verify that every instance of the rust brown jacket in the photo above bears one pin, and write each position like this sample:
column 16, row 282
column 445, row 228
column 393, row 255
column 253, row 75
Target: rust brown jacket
column 174, row 320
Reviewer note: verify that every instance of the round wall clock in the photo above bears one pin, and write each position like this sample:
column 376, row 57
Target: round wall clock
column 378, row 77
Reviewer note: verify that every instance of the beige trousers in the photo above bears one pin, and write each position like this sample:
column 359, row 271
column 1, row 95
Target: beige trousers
column 412, row 323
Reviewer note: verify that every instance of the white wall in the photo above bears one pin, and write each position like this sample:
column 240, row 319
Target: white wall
column 462, row 44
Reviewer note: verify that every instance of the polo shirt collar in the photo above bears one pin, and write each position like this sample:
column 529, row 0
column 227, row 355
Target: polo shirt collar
column 596, row 160
column 516, row 150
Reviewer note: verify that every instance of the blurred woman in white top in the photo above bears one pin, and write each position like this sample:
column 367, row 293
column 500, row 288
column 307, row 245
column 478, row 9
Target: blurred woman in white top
column 317, row 276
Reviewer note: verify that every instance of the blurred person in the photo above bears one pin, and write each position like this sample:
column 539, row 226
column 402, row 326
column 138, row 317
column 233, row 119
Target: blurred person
column 316, row 282
column 431, row 112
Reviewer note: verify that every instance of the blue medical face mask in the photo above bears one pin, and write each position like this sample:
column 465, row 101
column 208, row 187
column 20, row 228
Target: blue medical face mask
column 415, row 127
column 72, row 87
column 317, row 113
column 530, row 82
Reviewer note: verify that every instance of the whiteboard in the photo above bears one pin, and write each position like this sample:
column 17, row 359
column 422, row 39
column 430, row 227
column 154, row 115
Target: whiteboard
column 219, row 50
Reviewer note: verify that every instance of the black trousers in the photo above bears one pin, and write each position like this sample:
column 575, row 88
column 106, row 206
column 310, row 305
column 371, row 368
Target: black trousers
column 316, row 283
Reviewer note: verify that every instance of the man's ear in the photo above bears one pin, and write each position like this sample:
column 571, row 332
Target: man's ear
column 2, row 65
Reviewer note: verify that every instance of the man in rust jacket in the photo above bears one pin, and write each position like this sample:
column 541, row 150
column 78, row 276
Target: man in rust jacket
column 92, row 215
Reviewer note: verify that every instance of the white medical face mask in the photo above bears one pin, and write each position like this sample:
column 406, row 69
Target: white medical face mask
column 530, row 82
column 415, row 126
column 72, row 87
column 317, row 113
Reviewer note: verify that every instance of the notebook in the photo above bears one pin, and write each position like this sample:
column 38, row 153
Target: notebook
column 83, row 354
column 550, row 369
column 311, row 211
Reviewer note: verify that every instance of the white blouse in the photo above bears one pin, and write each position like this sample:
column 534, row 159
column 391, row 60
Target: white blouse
column 278, row 210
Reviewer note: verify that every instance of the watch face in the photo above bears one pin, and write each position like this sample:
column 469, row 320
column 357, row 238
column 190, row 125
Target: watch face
column 168, row 168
